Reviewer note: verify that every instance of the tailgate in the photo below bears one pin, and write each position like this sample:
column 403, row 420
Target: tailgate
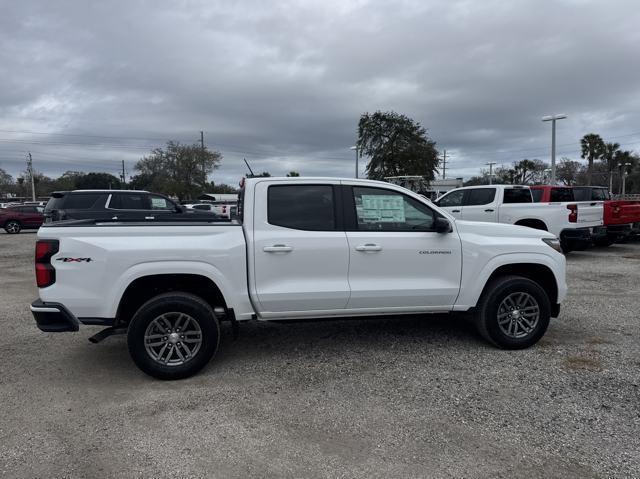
column 590, row 213
column 622, row 212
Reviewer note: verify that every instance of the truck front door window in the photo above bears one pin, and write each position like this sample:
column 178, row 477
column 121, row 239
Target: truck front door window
column 384, row 210
column 480, row 196
column 452, row 199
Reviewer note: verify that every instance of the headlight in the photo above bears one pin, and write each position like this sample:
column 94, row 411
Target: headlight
column 554, row 243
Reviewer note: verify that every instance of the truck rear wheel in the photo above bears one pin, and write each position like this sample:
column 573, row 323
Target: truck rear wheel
column 513, row 313
column 173, row 335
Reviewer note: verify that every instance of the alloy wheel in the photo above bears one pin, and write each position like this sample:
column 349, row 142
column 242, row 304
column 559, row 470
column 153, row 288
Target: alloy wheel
column 173, row 339
column 518, row 315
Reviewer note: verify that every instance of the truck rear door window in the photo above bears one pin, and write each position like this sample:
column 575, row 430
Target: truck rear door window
column 561, row 194
column 537, row 195
column 130, row 202
column 517, row 195
column 79, row 202
column 302, row 207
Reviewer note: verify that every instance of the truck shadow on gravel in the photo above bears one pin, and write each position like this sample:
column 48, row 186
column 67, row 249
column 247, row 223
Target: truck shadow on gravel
column 280, row 341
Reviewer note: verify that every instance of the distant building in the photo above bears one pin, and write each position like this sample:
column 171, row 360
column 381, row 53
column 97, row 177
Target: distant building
column 429, row 189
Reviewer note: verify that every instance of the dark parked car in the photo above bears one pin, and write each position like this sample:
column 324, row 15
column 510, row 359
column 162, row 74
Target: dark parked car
column 16, row 218
column 114, row 205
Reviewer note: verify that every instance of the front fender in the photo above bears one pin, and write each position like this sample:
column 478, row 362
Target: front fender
column 474, row 278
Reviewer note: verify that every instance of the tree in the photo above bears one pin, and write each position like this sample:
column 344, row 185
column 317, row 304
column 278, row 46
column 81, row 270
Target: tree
column 264, row 174
column 69, row 180
column 97, row 181
column 483, row 178
column 293, row 174
column 6, row 183
column 592, row 149
column 523, row 172
column 568, row 171
column 177, row 170
column 609, row 157
column 397, row 146
column 222, row 188
column 629, row 163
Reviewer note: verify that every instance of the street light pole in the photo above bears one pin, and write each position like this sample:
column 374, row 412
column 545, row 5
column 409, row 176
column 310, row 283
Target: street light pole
column 624, row 177
column 356, row 148
column 552, row 119
column 491, row 163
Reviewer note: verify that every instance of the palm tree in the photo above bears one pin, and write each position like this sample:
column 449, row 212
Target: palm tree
column 610, row 156
column 592, row 148
column 621, row 159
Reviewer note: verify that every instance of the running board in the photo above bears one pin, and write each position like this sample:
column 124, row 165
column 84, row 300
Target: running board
column 105, row 333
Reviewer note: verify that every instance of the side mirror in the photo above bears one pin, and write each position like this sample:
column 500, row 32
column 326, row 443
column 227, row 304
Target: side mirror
column 442, row 225
column 180, row 209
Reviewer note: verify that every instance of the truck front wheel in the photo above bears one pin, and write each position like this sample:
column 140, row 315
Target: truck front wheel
column 513, row 313
column 173, row 335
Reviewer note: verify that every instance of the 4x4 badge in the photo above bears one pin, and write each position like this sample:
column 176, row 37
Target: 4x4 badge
column 74, row 260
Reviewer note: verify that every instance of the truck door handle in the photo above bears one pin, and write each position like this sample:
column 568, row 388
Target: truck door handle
column 488, row 211
column 455, row 211
column 277, row 248
column 369, row 247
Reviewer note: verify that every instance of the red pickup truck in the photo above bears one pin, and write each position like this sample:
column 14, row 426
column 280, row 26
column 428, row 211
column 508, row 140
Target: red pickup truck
column 618, row 218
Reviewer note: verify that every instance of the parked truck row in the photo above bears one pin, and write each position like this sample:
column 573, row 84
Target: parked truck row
column 578, row 216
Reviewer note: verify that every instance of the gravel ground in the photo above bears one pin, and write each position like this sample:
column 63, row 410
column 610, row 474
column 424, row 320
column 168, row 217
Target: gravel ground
column 411, row 397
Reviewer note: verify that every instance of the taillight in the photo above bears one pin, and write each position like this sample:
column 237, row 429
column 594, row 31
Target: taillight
column 573, row 213
column 45, row 272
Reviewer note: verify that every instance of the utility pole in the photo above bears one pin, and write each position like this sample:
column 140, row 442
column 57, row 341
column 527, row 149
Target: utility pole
column 356, row 149
column 124, row 178
column 33, row 183
column 444, row 165
column 624, row 177
column 552, row 119
column 491, row 163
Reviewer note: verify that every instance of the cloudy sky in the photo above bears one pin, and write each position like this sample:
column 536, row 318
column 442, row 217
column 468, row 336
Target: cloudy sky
column 85, row 85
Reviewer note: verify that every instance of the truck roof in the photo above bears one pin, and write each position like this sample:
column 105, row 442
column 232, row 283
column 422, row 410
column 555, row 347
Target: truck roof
column 60, row 194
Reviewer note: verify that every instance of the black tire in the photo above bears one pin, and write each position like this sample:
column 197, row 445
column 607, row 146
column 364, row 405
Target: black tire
column 567, row 246
column 174, row 303
column 12, row 227
column 492, row 299
column 604, row 241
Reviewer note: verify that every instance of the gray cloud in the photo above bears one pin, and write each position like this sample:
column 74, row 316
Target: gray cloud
column 284, row 83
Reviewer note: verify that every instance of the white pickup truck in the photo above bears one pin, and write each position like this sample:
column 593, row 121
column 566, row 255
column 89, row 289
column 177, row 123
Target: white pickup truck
column 300, row 248
column 570, row 221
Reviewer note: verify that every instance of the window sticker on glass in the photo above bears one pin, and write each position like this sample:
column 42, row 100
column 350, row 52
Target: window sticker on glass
column 382, row 209
column 158, row 203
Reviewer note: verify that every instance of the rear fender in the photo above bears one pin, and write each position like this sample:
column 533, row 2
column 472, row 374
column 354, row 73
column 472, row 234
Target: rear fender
column 234, row 292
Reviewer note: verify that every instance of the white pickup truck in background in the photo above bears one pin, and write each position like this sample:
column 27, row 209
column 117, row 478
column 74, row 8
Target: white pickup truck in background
column 571, row 222
column 300, row 248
